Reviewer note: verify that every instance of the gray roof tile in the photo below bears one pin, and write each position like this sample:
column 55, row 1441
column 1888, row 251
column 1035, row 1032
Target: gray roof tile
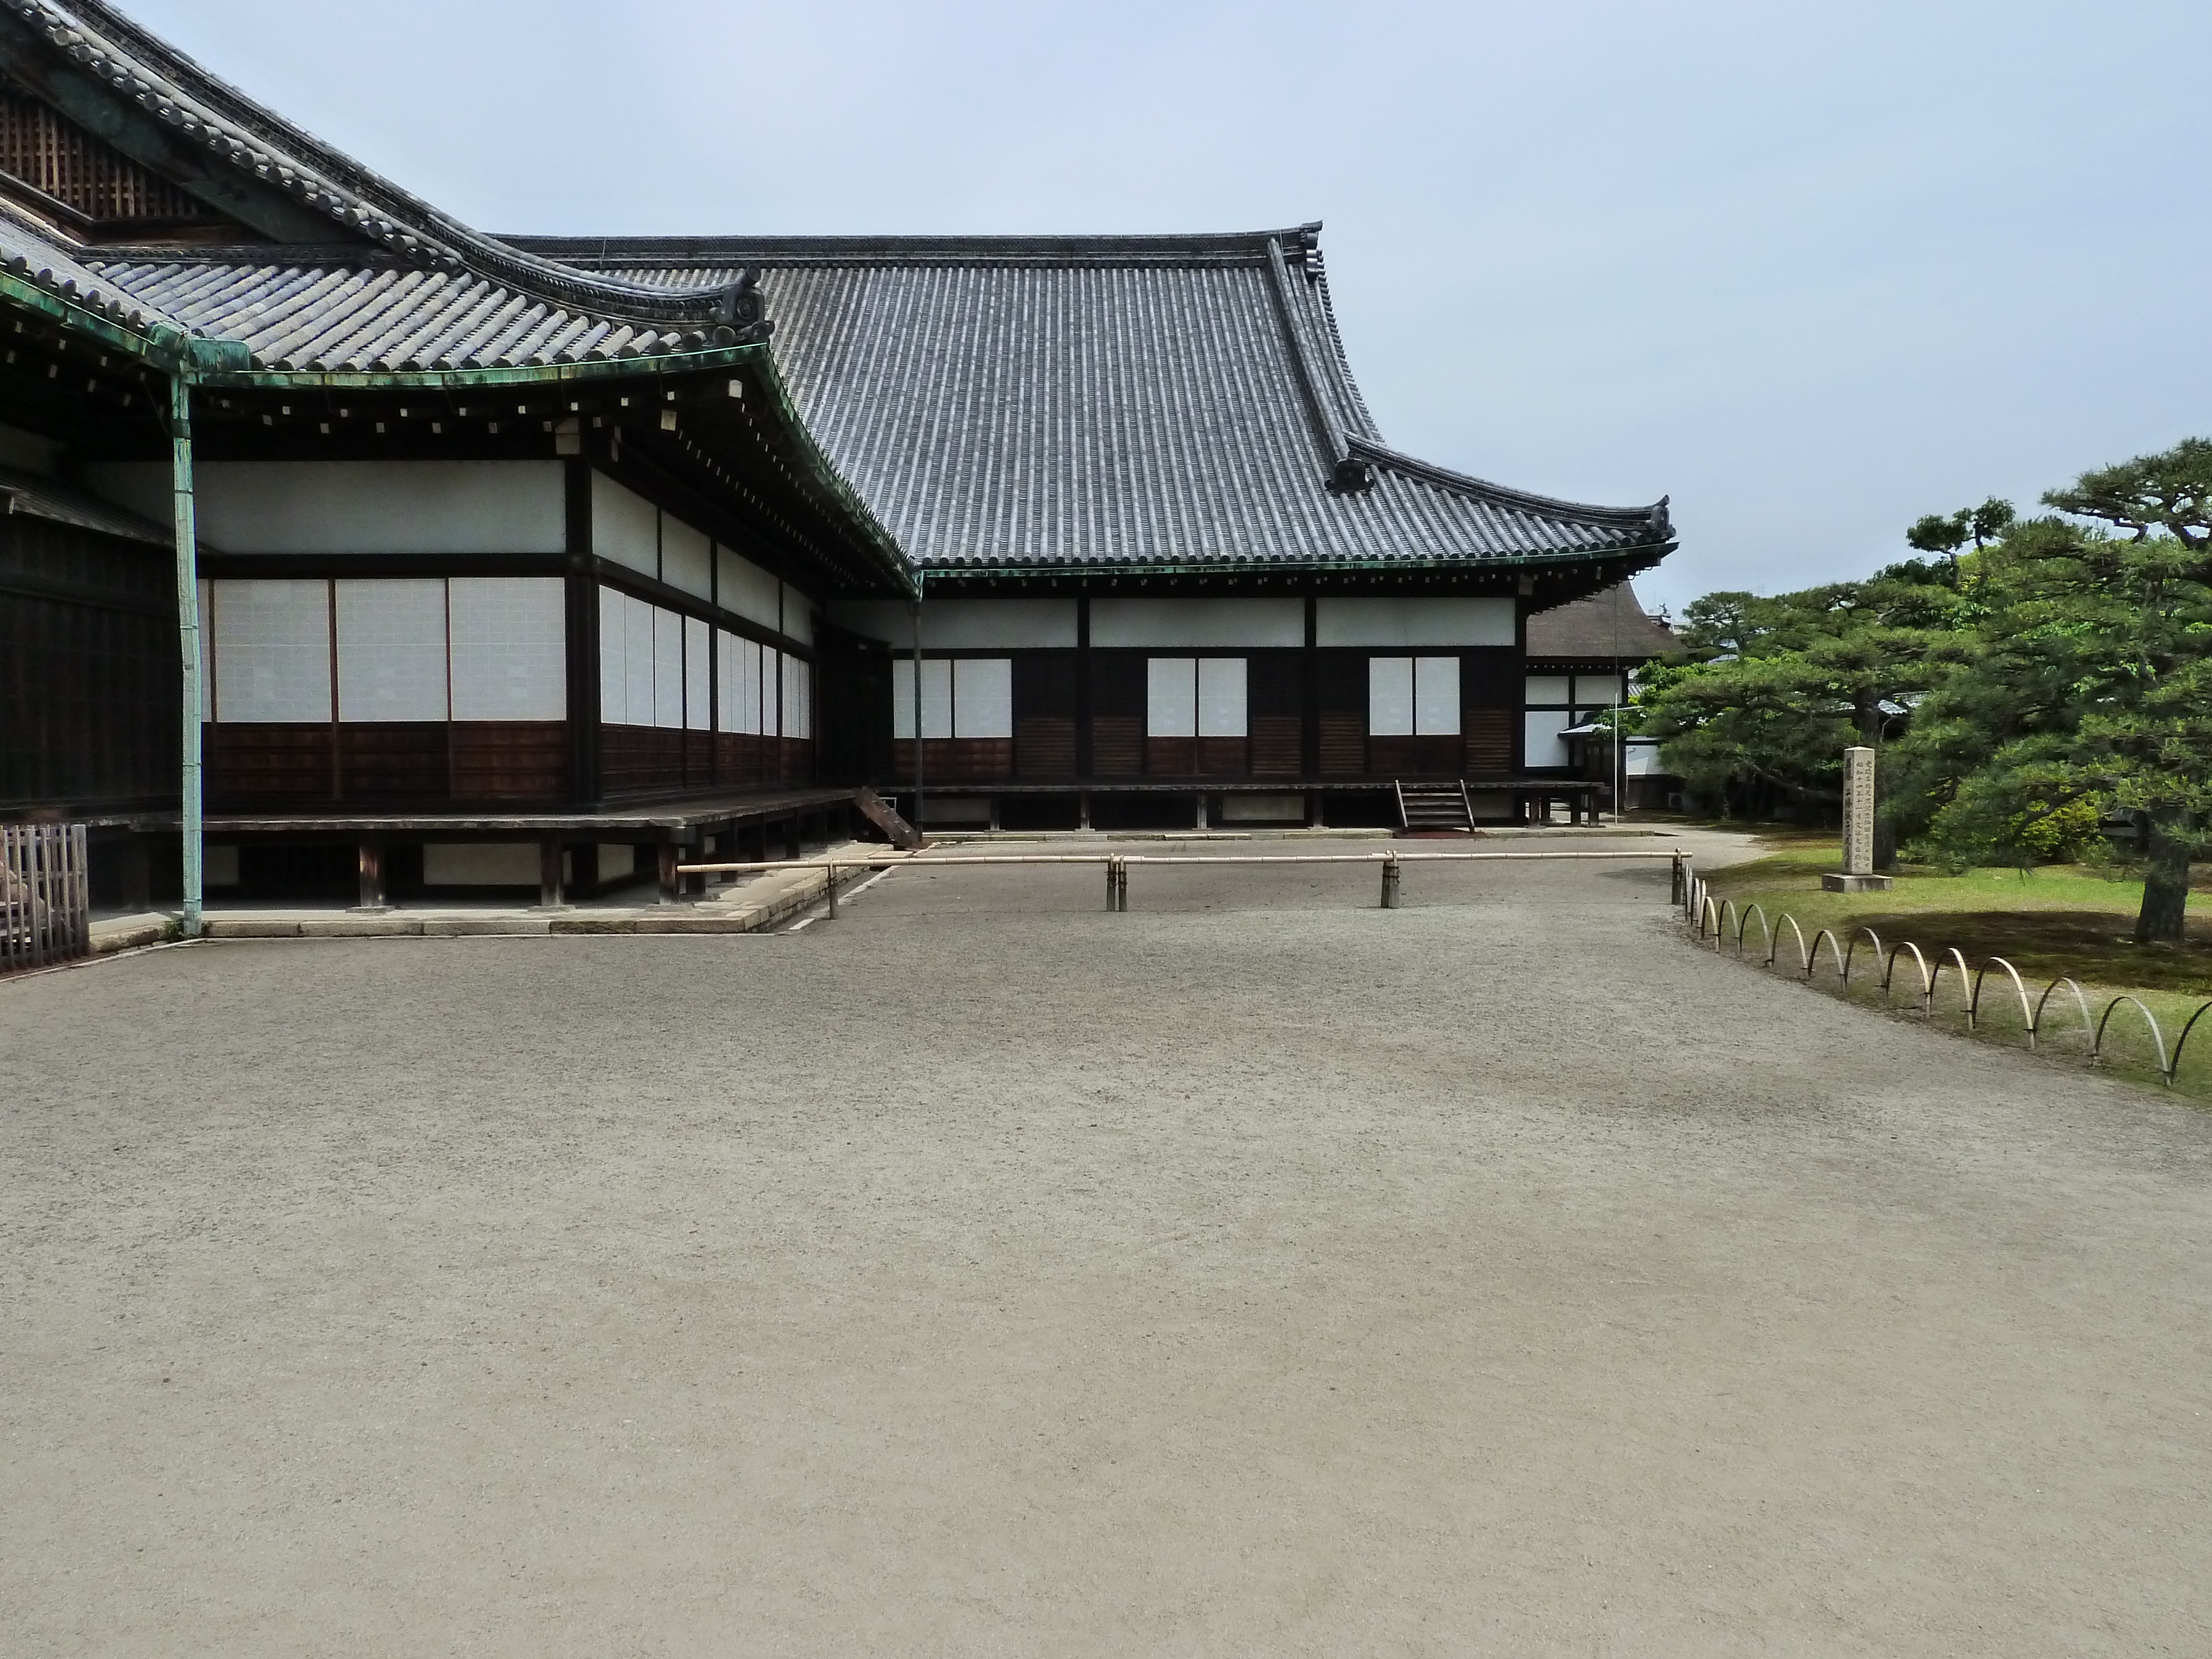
column 1026, row 402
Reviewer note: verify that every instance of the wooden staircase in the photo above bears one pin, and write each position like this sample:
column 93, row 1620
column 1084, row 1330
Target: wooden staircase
column 1432, row 807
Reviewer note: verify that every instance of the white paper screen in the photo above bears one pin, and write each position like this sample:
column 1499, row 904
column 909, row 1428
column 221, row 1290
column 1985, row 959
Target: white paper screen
column 637, row 660
column 1221, row 696
column 1171, row 696
column 391, row 650
column 771, row 690
column 1436, row 696
column 614, row 671
column 797, row 712
column 509, row 647
column 698, row 675
column 272, row 648
column 1390, row 696
column 667, row 667
column 983, row 697
column 936, row 697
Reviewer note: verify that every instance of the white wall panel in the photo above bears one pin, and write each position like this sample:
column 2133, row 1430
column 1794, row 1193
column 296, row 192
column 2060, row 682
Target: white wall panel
column 509, row 647
column 1542, row 744
column 391, row 649
column 667, row 667
column 698, row 675
column 1596, row 690
column 983, row 697
column 1390, row 696
column 1413, row 621
column 1436, row 696
column 964, row 624
column 272, row 647
column 747, row 590
column 1221, row 697
column 1545, row 688
column 1171, row 697
column 358, row 507
column 625, row 527
column 1197, row 622
column 687, row 557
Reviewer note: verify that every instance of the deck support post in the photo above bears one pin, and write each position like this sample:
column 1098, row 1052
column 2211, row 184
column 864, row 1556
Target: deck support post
column 1083, row 809
column 664, row 857
column 1389, row 881
column 551, row 893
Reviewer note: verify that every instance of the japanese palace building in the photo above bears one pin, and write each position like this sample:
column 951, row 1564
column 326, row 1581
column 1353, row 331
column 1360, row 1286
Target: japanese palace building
column 519, row 556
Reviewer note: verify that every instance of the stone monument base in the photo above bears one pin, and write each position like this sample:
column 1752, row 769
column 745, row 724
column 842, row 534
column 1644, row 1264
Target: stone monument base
column 1835, row 882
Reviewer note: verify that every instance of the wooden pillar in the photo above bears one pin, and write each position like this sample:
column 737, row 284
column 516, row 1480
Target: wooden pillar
column 1083, row 809
column 664, row 860
column 551, row 885
column 372, row 875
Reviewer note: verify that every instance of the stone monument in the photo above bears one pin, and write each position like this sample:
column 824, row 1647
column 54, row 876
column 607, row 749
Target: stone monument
column 1857, row 875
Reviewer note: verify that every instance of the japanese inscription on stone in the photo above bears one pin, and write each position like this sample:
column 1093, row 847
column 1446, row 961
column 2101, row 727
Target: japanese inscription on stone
column 1859, row 812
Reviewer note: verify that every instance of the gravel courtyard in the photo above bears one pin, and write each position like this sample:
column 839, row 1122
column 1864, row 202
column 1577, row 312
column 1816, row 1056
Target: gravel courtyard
column 1257, row 1272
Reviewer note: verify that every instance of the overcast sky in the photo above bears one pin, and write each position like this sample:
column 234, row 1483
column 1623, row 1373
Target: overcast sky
column 1811, row 269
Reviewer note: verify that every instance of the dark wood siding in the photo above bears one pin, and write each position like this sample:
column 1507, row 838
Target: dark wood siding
column 1275, row 705
column 89, row 680
column 1045, row 715
column 958, row 760
column 502, row 763
column 252, row 766
column 1343, row 693
column 1117, row 714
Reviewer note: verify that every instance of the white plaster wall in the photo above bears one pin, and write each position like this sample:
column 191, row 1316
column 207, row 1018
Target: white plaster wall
column 687, row 557
column 357, row 507
column 1411, row 622
column 1542, row 744
column 748, row 591
column 1193, row 622
column 480, row 864
column 964, row 624
column 798, row 615
column 1544, row 688
column 625, row 526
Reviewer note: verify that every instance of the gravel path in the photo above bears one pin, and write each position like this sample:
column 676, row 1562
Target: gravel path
column 1258, row 1272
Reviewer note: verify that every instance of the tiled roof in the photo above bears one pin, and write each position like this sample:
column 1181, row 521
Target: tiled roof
column 1021, row 402
column 39, row 497
column 48, row 262
column 294, row 176
column 1613, row 623
column 340, row 313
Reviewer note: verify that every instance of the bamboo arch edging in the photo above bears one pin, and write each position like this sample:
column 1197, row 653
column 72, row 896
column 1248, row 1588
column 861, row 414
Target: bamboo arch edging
column 1718, row 913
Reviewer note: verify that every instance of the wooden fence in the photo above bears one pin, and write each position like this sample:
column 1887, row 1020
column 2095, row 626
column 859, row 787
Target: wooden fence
column 45, row 900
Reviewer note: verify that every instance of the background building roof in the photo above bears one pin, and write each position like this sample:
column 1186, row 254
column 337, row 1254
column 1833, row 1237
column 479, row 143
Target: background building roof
column 1607, row 625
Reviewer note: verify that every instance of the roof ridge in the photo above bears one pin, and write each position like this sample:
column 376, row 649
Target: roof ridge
column 665, row 252
column 1466, row 484
column 203, row 108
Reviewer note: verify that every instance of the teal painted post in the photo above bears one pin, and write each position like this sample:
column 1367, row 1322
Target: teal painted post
column 192, row 817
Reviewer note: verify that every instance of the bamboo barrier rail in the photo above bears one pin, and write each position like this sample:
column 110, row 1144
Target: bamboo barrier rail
column 1720, row 919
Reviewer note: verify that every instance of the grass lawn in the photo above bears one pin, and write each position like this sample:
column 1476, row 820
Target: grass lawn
column 2057, row 920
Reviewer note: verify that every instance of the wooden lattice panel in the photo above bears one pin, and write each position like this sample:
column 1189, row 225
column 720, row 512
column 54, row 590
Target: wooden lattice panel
column 60, row 160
